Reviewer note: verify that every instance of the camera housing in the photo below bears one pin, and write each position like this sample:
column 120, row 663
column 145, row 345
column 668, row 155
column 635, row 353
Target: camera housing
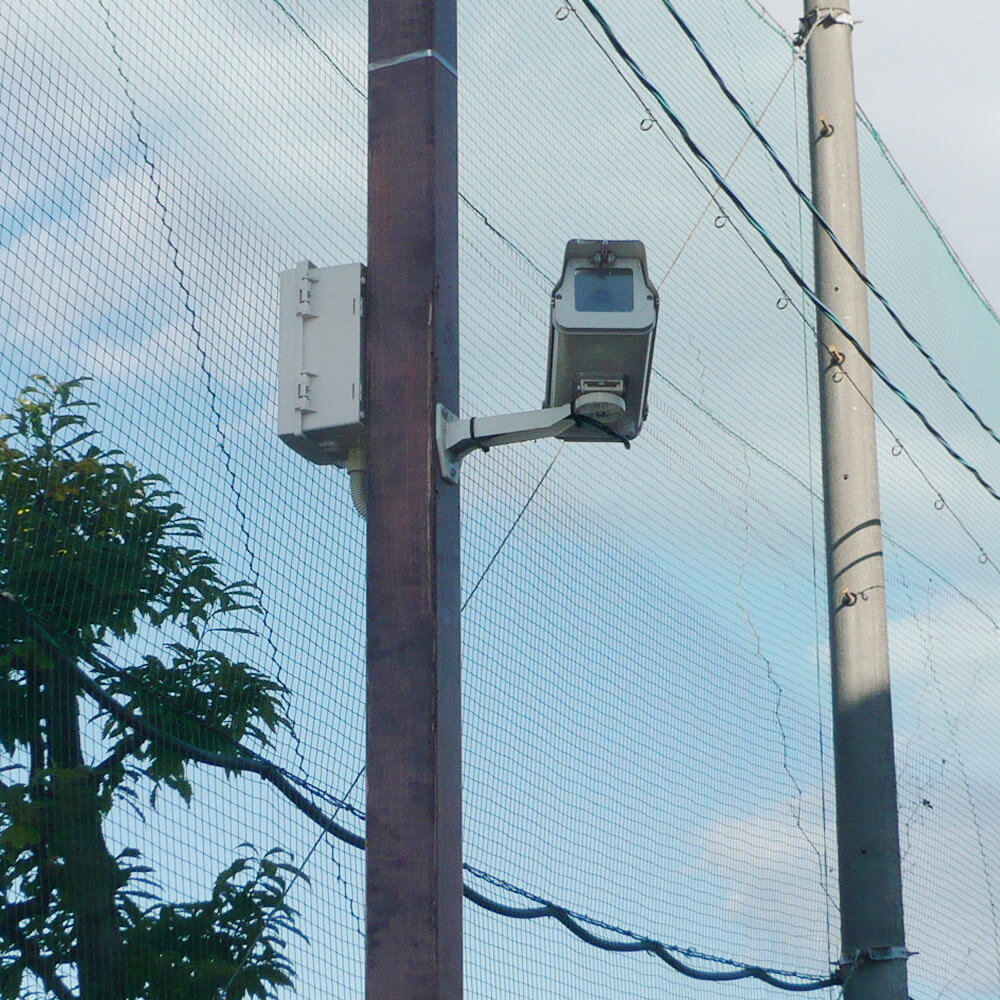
column 603, row 324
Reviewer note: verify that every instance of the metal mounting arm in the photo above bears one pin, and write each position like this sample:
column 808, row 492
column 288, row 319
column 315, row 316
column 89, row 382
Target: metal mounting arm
column 457, row 437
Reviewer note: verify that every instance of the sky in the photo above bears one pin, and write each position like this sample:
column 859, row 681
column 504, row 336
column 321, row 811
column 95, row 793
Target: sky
column 927, row 76
column 645, row 656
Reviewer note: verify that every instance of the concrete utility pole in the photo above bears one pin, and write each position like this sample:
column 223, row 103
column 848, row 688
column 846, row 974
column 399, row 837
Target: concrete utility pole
column 871, row 904
column 414, row 894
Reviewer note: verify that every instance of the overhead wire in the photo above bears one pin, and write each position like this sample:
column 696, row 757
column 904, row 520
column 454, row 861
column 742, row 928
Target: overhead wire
column 19, row 617
column 793, row 272
column 728, row 171
column 984, row 557
column 509, row 243
column 786, row 297
column 551, row 909
column 820, row 220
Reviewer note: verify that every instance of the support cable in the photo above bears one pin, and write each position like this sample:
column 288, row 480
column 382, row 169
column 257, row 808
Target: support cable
column 16, row 614
column 808, row 379
column 713, row 195
column 815, row 212
column 193, row 323
column 793, row 272
column 362, row 94
column 510, row 530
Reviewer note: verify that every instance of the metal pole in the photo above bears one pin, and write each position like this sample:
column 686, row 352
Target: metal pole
column 871, row 905
column 414, row 856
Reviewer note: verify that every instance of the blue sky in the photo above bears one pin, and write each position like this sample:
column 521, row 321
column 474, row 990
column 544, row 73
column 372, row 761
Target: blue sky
column 645, row 665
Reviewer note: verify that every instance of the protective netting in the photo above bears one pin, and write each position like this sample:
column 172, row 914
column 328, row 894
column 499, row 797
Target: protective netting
column 646, row 683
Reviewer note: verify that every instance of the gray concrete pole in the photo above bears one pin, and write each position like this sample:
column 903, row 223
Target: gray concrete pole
column 871, row 905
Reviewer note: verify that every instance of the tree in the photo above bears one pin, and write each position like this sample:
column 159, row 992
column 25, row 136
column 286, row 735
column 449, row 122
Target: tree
column 94, row 552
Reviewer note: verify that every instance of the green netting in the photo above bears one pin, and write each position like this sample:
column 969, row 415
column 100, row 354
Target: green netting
column 645, row 664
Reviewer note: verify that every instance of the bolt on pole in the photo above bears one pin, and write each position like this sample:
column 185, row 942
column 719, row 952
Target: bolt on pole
column 871, row 905
column 414, row 834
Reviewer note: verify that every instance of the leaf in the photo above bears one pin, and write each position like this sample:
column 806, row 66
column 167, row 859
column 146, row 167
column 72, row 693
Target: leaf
column 10, row 979
column 96, row 550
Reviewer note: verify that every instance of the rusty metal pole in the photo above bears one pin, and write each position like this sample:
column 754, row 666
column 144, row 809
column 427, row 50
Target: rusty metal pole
column 414, row 863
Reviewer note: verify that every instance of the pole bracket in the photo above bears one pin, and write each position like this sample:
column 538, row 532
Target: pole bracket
column 887, row 953
column 821, row 16
column 457, row 437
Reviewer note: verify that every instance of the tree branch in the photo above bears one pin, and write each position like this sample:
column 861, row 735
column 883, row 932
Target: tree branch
column 11, row 914
column 245, row 762
column 41, row 965
column 124, row 749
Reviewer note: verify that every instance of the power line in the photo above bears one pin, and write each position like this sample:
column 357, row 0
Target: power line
column 19, row 615
column 793, row 272
column 818, row 216
column 574, row 923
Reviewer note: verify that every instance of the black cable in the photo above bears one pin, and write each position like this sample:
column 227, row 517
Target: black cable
column 648, row 945
column 583, row 419
column 17, row 614
column 773, row 247
column 510, row 530
column 821, row 221
column 504, row 239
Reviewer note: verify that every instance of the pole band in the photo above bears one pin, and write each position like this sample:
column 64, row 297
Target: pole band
column 821, row 16
column 412, row 57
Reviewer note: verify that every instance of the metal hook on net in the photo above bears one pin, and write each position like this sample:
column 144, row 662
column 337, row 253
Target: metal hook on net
column 648, row 122
column 983, row 557
column 784, row 302
column 939, row 503
column 720, row 220
column 897, row 448
column 563, row 12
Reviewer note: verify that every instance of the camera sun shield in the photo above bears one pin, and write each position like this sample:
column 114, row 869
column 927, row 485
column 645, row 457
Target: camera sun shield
column 603, row 323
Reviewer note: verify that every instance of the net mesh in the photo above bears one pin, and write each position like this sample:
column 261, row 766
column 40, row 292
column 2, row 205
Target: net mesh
column 646, row 675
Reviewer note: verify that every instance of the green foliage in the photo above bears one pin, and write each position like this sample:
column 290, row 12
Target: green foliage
column 200, row 950
column 89, row 544
column 93, row 551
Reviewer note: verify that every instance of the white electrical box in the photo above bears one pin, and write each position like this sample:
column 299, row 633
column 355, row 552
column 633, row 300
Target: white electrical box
column 321, row 361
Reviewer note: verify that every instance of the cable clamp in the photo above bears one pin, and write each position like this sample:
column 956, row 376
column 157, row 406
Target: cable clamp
column 413, row 57
column 889, row 953
column 821, row 16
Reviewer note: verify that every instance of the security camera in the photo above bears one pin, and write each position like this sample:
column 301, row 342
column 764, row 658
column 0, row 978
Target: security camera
column 603, row 322
column 604, row 312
